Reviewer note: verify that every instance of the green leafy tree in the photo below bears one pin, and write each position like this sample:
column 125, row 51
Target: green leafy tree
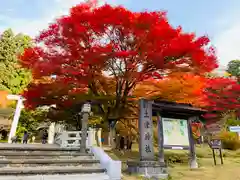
column 13, row 78
column 71, row 116
column 234, row 68
column 30, row 120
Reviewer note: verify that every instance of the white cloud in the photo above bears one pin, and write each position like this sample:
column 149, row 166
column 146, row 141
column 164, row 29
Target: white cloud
column 228, row 44
column 33, row 27
column 227, row 37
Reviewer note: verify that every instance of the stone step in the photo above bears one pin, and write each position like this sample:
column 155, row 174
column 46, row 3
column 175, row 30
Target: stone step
column 44, row 154
column 48, row 162
column 48, row 157
column 39, row 148
column 77, row 165
column 48, row 170
column 94, row 176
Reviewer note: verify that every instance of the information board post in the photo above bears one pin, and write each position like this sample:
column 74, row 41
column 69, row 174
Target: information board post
column 160, row 138
column 192, row 150
column 221, row 156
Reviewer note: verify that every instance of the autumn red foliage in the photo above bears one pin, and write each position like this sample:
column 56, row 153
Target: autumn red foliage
column 221, row 95
column 196, row 129
column 178, row 87
column 129, row 46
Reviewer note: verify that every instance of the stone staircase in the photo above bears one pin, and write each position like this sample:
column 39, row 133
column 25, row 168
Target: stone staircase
column 47, row 162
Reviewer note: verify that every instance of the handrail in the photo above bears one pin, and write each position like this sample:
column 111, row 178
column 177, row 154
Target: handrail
column 113, row 168
column 71, row 139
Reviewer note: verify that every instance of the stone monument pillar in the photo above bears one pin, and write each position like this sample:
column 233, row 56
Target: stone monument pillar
column 146, row 149
column 147, row 165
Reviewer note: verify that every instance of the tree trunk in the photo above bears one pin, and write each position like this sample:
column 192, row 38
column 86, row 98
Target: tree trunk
column 84, row 132
column 112, row 137
column 112, row 134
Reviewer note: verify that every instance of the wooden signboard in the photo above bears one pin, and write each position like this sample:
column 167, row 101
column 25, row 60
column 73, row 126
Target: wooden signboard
column 216, row 144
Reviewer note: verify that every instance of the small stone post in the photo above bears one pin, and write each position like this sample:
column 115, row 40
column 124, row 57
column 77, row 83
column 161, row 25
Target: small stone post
column 90, row 137
column 51, row 133
column 99, row 135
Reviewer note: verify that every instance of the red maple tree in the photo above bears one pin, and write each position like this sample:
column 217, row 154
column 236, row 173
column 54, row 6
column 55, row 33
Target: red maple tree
column 92, row 44
column 221, row 95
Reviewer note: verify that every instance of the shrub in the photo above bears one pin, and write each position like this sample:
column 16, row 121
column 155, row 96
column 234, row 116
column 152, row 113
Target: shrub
column 230, row 119
column 230, row 140
column 176, row 158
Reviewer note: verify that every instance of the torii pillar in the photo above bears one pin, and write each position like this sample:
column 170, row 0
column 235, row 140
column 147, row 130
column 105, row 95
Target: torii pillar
column 17, row 113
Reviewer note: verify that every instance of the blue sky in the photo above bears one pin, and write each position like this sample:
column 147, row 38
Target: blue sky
column 219, row 19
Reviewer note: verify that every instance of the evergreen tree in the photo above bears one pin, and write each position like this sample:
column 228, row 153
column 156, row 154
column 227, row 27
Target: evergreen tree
column 13, row 78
